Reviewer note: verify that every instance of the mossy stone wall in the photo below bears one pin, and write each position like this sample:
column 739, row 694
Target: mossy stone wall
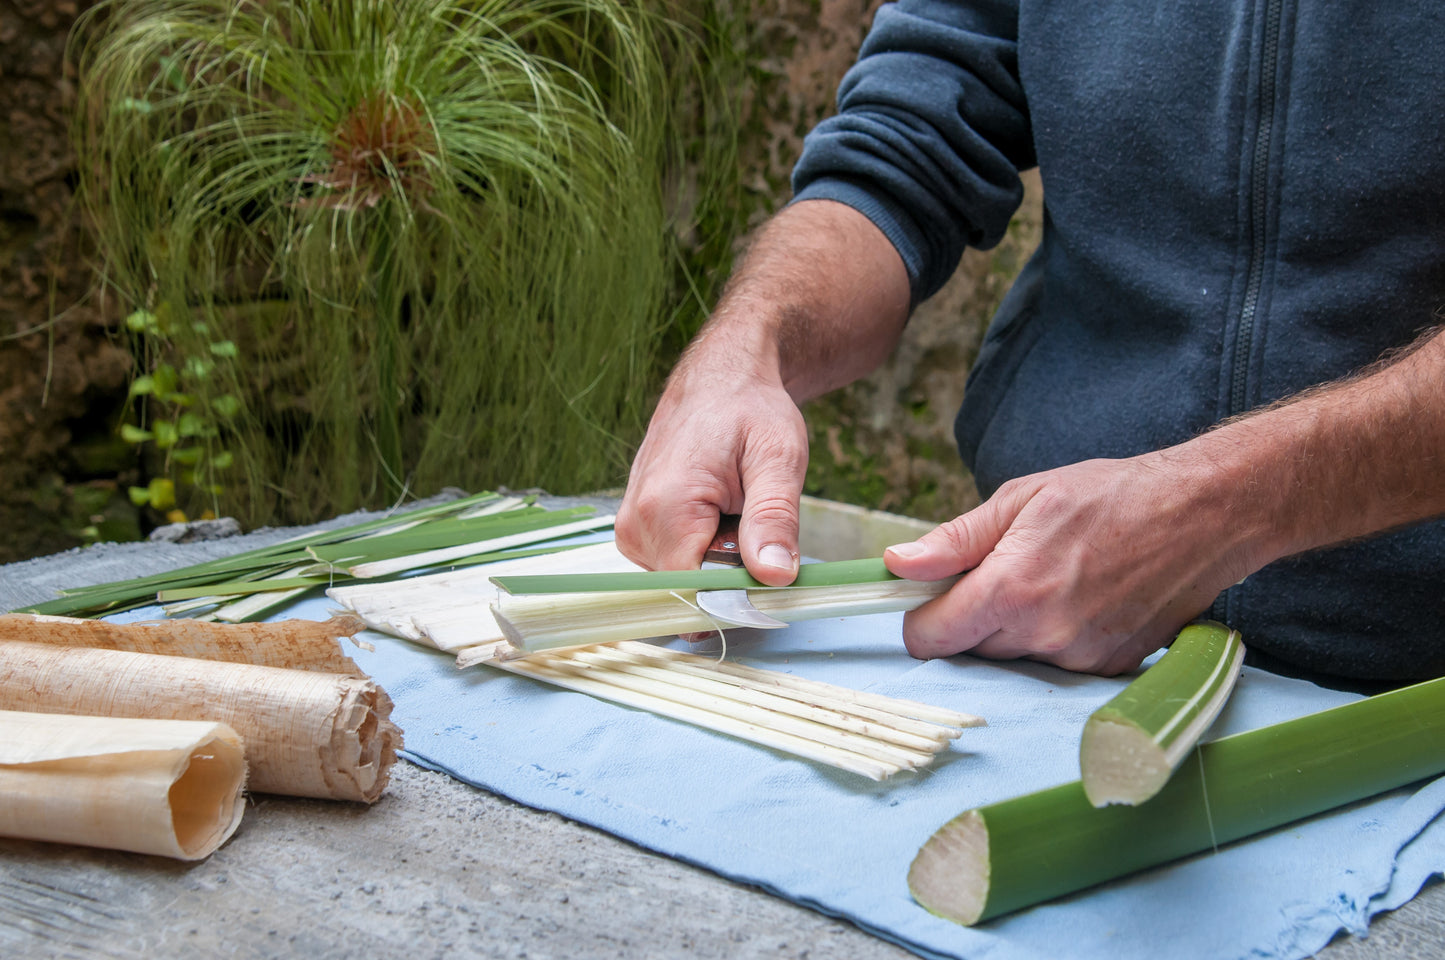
column 62, row 468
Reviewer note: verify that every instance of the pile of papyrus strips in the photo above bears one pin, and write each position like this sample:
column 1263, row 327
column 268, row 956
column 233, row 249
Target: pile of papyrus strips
column 865, row 733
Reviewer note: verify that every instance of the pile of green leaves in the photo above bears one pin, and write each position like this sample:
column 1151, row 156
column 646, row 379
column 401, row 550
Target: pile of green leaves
column 439, row 241
column 249, row 586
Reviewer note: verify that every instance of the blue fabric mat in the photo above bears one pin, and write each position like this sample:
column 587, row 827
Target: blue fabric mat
column 842, row 845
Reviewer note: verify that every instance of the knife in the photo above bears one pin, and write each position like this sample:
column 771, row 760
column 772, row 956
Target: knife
column 730, row 606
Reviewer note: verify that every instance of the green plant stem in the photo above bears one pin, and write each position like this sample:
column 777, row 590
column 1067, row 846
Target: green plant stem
column 445, row 533
column 833, row 574
column 250, row 565
column 238, row 589
column 1003, row 857
column 536, row 622
column 1131, row 744
column 391, row 394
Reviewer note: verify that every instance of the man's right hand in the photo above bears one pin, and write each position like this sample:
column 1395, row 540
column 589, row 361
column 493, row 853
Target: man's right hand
column 720, row 429
column 819, row 300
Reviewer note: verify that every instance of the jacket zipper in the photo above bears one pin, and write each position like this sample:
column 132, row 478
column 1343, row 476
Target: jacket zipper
column 1224, row 605
column 1258, row 209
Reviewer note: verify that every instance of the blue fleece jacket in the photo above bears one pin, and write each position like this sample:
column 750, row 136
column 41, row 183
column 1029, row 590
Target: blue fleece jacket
column 1243, row 198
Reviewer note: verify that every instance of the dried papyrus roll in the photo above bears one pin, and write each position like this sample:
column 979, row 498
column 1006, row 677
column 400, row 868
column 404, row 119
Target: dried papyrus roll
column 307, row 734
column 167, row 787
column 298, row 644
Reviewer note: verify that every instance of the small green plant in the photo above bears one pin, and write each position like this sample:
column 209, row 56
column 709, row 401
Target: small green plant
column 177, row 417
column 371, row 246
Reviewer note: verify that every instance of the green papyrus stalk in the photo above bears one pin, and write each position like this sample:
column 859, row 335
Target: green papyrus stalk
column 996, row 859
column 1131, row 744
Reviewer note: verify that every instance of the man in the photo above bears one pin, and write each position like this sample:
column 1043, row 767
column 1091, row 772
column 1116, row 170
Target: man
column 1217, row 363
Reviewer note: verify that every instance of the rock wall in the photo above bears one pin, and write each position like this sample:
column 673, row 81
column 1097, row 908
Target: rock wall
column 63, row 380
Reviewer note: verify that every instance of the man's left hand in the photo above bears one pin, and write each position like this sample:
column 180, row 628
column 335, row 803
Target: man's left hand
column 1091, row 567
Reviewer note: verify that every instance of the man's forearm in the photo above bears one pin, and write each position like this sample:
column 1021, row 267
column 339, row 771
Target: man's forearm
column 1342, row 461
column 821, row 296
column 1094, row 565
column 818, row 301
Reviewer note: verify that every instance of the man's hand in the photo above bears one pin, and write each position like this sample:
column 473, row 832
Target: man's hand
column 1091, row 567
column 1094, row 566
column 713, row 437
column 819, row 300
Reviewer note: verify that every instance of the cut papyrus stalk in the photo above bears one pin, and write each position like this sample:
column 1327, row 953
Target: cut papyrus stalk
column 801, row 688
column 718, row 703
column 467, row 529
column 1005, row 856
column 296, row 644
column 256, row 605
column 868, row 734
column 836, row 714
column 307, row 734
column 450, row 610
column 543, row 621
column 429, row 558
column 165, row 787
column 1134, row 742
column 834, row 574
column 260, row 562
column 798, row 746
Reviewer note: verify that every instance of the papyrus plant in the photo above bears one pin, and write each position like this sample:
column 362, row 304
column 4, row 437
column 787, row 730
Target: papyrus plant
column 443, row 236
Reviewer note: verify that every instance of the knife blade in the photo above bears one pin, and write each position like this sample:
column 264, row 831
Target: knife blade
column 730, row 606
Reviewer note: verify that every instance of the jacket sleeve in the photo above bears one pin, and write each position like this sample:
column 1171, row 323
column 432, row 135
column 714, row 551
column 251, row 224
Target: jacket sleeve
column 931, row 132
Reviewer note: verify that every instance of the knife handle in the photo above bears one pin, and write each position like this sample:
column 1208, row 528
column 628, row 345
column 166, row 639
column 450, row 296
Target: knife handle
column 724, row 548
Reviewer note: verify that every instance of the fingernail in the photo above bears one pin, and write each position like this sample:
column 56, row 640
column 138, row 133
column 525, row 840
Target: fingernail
column 777, row 555
column 908, row 550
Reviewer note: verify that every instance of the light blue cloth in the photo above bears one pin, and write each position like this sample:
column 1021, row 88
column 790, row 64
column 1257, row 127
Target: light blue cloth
column 841, row 844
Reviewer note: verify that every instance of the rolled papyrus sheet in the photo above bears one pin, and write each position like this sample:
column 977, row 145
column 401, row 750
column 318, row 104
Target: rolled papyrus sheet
column 307, row 734
column 298, row 644
column 167, row 787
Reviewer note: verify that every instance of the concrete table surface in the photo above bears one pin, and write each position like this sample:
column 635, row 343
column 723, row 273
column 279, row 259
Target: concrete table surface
column 435, row 869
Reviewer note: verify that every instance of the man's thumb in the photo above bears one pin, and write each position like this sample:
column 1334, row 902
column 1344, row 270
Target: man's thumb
column 769, row 537
column 950, row 548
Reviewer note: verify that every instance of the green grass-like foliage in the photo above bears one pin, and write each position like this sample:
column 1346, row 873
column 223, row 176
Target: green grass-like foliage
column 442, row 241
column 319, row 559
